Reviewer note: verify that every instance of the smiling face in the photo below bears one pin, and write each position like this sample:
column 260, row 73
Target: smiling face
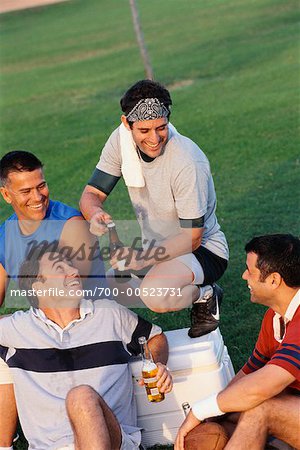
column 260, row 291
column 57, row 274
column 150, row 136
column 28, row 194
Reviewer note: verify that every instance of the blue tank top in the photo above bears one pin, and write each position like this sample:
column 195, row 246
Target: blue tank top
column 14, row 246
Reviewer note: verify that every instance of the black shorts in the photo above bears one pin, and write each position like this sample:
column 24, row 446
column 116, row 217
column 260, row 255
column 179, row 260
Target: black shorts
column 213, row 266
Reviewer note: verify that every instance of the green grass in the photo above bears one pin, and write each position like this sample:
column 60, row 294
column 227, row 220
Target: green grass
column 232, row 68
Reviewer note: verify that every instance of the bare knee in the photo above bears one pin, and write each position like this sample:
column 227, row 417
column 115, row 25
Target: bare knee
column 156, row 304
column 81, row 398
column 265, row 408
column 282, row 409
column 156, row 297
column 259, row 413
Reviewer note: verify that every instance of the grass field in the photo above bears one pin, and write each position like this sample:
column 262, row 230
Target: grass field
column 233, row 71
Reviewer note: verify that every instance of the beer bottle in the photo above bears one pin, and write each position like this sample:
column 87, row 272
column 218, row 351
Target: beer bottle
column 121, row 274
column 149, row 371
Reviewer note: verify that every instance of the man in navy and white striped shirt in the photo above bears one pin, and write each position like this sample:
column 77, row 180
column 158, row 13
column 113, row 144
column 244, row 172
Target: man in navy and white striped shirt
column 69, row 361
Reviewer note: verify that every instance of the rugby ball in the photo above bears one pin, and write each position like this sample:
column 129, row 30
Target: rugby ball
column 206, row 436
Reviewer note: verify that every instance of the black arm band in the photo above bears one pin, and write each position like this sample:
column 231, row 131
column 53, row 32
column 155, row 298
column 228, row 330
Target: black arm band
column 143, row 328
column 103, row 181
column 192, row 223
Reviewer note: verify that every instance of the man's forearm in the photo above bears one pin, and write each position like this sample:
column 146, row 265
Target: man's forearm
column 237, row 377
column 253, row 389
column 90, row 204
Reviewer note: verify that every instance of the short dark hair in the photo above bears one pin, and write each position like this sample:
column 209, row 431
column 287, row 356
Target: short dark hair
column 277, row 253
column 144, row 89
column 18, row 161
column 29, row 271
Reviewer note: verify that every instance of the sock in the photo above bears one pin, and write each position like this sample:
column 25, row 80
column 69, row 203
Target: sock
column 205, row 292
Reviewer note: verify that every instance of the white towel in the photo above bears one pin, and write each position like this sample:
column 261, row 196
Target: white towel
column 131, row 165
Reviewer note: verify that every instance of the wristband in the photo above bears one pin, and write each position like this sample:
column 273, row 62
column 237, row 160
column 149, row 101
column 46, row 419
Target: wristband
column 208, row 407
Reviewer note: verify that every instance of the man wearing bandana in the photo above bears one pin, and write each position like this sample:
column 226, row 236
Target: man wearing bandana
column 170, row 185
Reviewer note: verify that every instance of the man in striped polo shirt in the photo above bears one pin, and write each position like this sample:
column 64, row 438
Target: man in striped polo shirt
column 266, row 391
column 69, row 360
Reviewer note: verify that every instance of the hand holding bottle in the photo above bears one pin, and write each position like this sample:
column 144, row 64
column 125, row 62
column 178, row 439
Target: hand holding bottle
column 164, row 379
column 98, row 223
column 156, row 377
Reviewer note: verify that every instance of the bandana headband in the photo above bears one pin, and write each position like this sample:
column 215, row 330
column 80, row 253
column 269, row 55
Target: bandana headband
column 148, row 109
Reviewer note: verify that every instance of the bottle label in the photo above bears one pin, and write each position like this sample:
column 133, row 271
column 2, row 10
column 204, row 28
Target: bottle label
column 150, row 380
column 154, row 391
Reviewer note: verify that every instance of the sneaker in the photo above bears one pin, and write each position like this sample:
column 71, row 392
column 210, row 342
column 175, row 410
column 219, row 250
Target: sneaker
column 205, row 315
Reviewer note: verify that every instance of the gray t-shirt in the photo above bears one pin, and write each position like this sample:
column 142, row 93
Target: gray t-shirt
column 178, row 185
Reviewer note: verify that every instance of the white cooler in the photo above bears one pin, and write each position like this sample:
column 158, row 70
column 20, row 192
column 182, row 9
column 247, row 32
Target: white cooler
column 199, row 367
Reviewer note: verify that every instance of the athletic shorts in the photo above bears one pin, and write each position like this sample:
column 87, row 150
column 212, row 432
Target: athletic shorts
column 129, row 442
column 5, row 375
column 205, row 265
column 213, row 266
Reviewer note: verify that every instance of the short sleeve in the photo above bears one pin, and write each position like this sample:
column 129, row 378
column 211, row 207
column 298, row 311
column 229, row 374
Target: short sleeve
column 287, row 354
column 191, row 190
column 263, row 349
column 110, row 158
column 133, row 327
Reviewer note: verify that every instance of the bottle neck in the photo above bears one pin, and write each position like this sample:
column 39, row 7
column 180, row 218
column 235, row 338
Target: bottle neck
column 113, row 237
column 146, row 354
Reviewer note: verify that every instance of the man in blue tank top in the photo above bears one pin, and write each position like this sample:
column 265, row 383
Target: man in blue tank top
column 36, row 219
